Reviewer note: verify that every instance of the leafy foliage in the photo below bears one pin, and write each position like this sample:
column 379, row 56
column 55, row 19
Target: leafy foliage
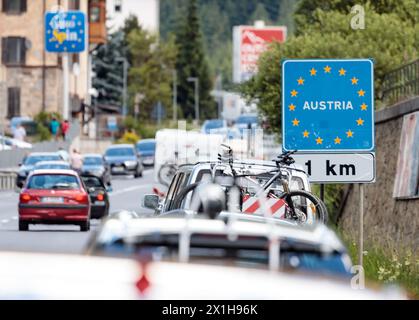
column 109, row 71
column 129, row 137
column 218, row 19
column 150, row 74
column 191, row 62
column 328, row 35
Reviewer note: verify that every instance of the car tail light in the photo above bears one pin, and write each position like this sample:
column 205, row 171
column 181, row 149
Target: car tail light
column 100, row 197
column 25, row 197
column 80, row 198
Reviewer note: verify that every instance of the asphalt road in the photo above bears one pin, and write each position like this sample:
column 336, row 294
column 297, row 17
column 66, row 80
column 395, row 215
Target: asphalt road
column 127, row 195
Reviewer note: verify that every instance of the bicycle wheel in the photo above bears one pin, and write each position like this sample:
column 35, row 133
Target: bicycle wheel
column 166, row 174
column 305, row 207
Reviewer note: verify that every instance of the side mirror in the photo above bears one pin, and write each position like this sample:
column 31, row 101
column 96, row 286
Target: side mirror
column 109, row 189
column 151, row 201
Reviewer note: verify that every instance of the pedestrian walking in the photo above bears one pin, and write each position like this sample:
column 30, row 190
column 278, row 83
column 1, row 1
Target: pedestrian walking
column 65, row 127
column 20, row 133
column 54, row 127
column 76, row 161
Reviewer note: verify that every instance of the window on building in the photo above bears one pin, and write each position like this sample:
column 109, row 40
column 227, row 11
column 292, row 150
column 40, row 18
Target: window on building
column 74, row 5
column 13, row 51
column 14, row 6
column 94, row 14
column 13, row 102
column 118, row 5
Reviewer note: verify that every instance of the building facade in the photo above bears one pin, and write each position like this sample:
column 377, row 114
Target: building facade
column 31, row 80
column 147, row 12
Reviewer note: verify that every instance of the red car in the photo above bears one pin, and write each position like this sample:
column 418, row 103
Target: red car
column 54, row 197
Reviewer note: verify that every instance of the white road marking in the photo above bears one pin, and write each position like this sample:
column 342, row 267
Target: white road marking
column 15, row 218
column 131, row 189
column 4, row 221
column 7, row 195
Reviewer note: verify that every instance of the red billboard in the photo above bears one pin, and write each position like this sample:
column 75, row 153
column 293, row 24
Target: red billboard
column 249, row 43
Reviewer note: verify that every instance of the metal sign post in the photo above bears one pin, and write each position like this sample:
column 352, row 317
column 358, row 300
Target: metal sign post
column 66, row 83
column 361, row 225
column 328, row 116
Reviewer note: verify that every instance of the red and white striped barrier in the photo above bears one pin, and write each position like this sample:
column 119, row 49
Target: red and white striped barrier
column 252, row 205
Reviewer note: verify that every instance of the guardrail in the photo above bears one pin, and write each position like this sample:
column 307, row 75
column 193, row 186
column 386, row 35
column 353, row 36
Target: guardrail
column 7, row 181
column 401, row 83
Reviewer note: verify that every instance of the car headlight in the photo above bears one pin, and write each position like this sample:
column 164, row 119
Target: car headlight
column 130, row 163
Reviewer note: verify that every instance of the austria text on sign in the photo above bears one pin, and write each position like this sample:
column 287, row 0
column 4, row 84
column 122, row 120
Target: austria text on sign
column 328, row 105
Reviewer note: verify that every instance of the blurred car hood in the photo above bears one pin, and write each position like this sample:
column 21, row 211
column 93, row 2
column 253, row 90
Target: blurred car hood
column 147, row 153
column 26, row 169
column 93, row 168
column 120, row 159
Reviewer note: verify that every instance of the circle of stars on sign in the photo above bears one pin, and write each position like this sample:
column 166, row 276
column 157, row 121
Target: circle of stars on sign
column 328, row 70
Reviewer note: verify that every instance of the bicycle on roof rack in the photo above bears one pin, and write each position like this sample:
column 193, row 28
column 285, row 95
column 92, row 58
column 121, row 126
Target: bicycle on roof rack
column 299, row 204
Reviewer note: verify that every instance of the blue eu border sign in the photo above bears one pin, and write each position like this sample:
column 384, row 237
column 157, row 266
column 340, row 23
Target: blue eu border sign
column 328, row 105
column 65, row 31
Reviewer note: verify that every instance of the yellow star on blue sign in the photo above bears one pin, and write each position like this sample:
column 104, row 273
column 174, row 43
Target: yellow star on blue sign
column 331, row 108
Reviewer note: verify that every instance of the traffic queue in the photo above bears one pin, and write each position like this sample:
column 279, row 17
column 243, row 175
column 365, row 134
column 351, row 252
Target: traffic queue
column 57, row 188
column 244, row 223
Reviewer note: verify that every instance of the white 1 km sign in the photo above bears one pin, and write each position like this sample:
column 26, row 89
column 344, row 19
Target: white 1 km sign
column 338, row 167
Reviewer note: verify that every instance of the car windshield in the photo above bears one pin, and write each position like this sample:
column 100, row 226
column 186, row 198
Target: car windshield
column 53, row 181
column 247, row 119
column 120, row 152
column 33, row 160
column 52, row 166
column 146, row 146
column 92, row 161
column 92, row 182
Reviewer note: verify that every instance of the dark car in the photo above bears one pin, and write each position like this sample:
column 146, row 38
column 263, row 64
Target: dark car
column 124, row 160
column 99, row 197
column 29, row 162
column 95, row 164
column 147, row 150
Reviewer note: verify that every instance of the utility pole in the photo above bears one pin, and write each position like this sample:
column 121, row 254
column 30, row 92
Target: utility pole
column 174, row 96
column 196, row 81
column 125, row 75
column 66, row 96
column 220, row 98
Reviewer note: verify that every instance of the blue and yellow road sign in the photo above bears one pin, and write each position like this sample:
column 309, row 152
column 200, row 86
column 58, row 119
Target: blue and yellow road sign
column 328, row 105
column 65, row 31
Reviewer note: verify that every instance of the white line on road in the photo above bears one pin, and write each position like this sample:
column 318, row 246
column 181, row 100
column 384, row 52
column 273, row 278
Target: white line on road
column 129, row 190
column 15, row 218
column 6, row 195
column 4, row 221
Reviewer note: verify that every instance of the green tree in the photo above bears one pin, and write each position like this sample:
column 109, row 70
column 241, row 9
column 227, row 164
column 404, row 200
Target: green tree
column 330, row 36
column 260, row 13
column 108, row 80
column 191, row 62
column 152, row 63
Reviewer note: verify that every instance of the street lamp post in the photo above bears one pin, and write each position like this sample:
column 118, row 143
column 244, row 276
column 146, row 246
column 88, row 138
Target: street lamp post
column 124, row 103
column 174, row 95
column 196, row 81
